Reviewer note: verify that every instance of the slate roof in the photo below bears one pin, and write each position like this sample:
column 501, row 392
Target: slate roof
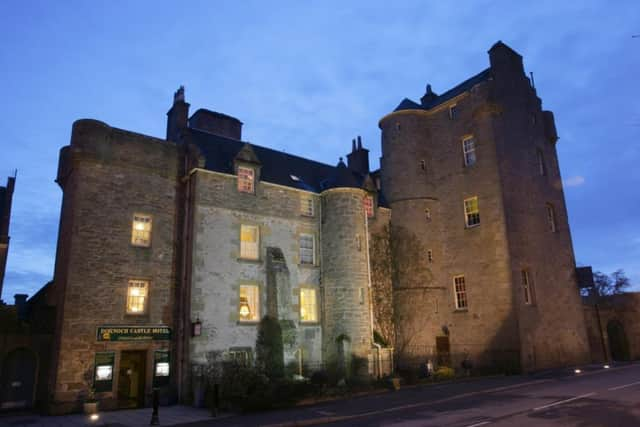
column 276, row 166
column 466, row 85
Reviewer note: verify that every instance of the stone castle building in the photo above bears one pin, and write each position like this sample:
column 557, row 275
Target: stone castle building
column 6, row 199
column 171, row 250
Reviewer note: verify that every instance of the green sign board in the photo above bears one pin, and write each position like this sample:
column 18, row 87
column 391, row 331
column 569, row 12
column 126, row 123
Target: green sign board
column 133, row 333
column 103, row 371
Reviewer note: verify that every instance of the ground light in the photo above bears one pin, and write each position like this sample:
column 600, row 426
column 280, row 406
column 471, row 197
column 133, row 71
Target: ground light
column 606, row 366
column 577, row 371
column 94, row 417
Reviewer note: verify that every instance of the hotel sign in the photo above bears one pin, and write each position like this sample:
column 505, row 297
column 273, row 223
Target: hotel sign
column 133, row 333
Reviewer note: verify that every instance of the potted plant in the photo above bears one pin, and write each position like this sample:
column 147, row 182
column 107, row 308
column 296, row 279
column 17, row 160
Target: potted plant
column 90, row 404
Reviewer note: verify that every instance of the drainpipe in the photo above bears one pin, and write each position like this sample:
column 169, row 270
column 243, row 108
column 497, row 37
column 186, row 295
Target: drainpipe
column 378, row 346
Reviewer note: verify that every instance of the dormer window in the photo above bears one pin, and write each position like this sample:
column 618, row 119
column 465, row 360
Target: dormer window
column 246, row 179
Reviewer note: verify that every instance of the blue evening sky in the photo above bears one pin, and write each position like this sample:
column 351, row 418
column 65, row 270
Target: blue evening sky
column 308, row 76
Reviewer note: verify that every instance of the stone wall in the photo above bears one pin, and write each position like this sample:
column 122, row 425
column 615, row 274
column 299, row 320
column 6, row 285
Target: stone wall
column 107, row 175
column 218, row 270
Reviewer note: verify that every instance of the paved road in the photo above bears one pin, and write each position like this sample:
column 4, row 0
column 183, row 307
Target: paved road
column 596, row 397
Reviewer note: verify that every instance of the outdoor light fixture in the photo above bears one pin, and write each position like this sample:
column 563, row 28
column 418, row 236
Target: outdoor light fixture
column 577, row 371
column 94, row 417
column 245, row 311
column 606, row 366
column 196, row 328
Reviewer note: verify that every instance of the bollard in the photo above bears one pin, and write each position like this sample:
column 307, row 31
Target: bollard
column 155, row 420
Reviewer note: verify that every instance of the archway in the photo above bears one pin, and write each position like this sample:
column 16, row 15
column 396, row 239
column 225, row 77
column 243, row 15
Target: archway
column 18, row 379
column 618, row 344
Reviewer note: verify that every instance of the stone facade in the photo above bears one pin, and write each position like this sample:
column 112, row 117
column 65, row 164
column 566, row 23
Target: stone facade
column 394, row 260
column 6, row 199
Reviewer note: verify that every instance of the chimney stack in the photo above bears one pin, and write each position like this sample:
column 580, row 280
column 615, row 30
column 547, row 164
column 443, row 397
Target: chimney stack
column 177, row 116
column 358, row 159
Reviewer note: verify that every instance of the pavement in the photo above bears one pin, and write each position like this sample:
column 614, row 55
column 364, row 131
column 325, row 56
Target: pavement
column 593, row 397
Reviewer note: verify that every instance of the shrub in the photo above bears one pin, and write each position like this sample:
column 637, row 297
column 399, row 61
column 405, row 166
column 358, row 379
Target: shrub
column 444, row 372
column 269, row 348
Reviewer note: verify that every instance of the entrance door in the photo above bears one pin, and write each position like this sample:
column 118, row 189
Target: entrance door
column 443, row 350
column 17, row 381
column 131, row 379
column 618, row 343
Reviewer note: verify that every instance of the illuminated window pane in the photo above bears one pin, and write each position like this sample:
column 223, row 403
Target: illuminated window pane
column 306, row 205
column 249, row 306
column 308, row 305
column 368, row 206
column 104, row 372
column 137, row 296
column 471, row 212
column 162, row 369
column 240, row 355
column 246, row 179
column 307, row 249
column 249, row 242
column 460, row 291
column 141, row 230
column 469, row 150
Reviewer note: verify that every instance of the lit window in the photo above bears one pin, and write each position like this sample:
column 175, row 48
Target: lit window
column 308, row 305
column 249, row 242
column 249, row 303
column 453, row 112
column 307, row 249
column 527, row 288
column 306, row 205
column 141, row 230
column 137, row 296
column 541, row 168
column 460, row 290
column 245, row 179
column 469, row 150
column 551, row 218
column 471, row 212
column 368, row 206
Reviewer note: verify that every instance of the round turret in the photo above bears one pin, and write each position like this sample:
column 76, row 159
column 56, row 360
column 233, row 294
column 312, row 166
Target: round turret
column 345, row 277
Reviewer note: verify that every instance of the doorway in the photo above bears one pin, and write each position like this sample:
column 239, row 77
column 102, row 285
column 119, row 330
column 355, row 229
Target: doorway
column 131, row 379
column 618, row 344
column 17, row 382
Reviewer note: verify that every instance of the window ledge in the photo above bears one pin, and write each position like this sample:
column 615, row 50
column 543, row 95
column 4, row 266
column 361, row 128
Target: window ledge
column 311, row 266
column 314, row 323
column 249, row 260
column 140, row 246
column 471, row 226
column 248, row 322
column 461, row 310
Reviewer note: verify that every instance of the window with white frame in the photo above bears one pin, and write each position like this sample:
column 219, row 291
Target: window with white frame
column 469, row 151
column 551, row 218
column 542, row 170
column 307, row 248
column 141, row 230
column 460, row 292
column 471, row 212
column 527, row 288
column 246, row 179
column 368, row 206
column 308, row 305
column 249, row 242
column 249, row 303
column 306, row 205
column 242, row 356
column 137, row 292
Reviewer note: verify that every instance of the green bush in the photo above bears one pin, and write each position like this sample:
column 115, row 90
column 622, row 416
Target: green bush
column 269, row 348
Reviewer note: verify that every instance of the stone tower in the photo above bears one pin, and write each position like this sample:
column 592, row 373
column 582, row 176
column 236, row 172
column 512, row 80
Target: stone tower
column 345, row 275
column 469, row 176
